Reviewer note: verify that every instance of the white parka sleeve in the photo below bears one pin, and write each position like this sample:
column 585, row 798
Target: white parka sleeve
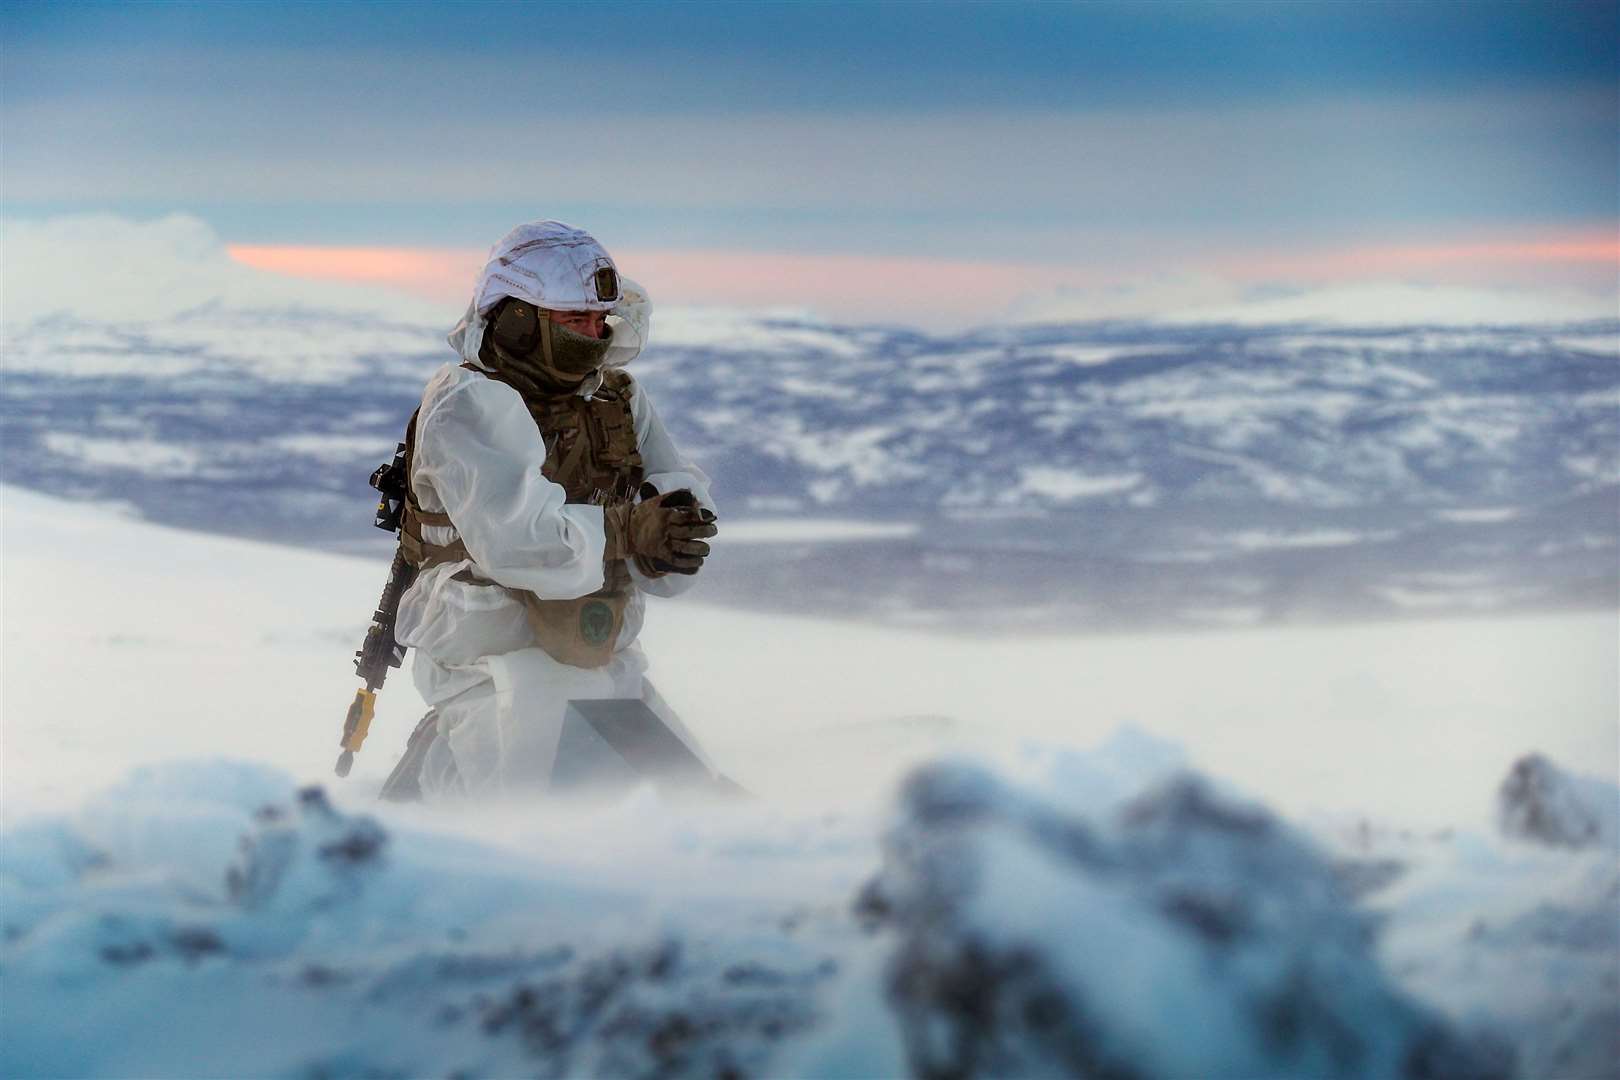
column 667, row 470
column 479, row 454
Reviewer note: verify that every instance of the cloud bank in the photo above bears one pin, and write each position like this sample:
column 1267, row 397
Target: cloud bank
column 105, row 267
column 1374, row 302
column 110, row 268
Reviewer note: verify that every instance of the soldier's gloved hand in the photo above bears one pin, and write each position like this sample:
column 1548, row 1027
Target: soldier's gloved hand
column 663, row 534
column 682, row 499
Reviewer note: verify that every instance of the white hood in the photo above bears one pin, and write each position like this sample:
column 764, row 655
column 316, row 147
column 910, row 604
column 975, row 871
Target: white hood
column 551, row 265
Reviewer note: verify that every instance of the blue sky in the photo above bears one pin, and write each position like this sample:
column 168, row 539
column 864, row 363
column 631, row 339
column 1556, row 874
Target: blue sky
column 841, row 56
column 1086, row 137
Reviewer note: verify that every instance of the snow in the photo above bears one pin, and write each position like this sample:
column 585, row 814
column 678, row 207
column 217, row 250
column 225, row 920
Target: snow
column 859, row 452
column 754, row 332
column 292, row 408
column 1407, row 303
column 137, row 455
column 1067, row 485
column 319, row 347
column 337, row 448
column 1190, row 903
column 1478, row 514
column 1093, row 355
column 1126, row 850
column 1519, row 936
column 1181, row 299
column 161, row 690
column 263, row 633
column 1449, row 596
column 797, row 530
column 1541, row 803
column 1608, row 344
column 1580, row 542
column 1226, row 616
column 1275, row 483
column 807, row 388
column 1592, row 467
column 1262, row 540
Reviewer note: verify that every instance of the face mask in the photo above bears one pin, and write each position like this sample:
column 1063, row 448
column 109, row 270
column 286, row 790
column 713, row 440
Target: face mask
column 522, row 334
column 573, row 355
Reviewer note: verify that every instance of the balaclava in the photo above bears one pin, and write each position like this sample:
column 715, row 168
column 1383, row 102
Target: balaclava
column 523, row 344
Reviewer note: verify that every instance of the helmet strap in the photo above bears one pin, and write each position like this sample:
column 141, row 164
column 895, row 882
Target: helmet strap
column 545, row 340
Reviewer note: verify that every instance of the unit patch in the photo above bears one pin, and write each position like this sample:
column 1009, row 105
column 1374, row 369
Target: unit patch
column 595, row 622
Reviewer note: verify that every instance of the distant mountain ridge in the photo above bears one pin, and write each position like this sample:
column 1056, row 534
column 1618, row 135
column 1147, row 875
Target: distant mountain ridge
column 1138, row 443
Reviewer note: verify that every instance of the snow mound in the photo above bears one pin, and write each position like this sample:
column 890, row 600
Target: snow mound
column 1030, row 942
column 333, row 944
column 1543, row 804
column 1099, row 913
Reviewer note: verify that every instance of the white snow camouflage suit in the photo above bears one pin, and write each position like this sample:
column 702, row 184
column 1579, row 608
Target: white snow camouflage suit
column 478, row 456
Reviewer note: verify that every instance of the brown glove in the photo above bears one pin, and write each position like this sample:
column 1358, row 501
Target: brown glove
column 663, row 534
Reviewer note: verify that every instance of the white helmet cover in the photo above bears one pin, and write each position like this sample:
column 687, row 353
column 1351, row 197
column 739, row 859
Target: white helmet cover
column 551, row 265
column 559, row 268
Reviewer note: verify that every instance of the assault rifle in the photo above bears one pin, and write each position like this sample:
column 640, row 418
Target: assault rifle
column 379, row 651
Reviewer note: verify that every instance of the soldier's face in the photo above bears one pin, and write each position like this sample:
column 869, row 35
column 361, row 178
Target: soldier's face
column 589, row 323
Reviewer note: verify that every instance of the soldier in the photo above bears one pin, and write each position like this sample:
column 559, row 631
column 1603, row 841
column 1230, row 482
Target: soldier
column 545, row 500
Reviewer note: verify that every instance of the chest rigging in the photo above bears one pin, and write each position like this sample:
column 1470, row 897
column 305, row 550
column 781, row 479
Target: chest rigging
column 591, row 453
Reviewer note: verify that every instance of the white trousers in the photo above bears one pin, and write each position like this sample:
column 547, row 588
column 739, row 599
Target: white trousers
column 498, row 738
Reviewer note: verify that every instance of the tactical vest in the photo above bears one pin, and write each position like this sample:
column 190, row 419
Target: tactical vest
column 591, row 453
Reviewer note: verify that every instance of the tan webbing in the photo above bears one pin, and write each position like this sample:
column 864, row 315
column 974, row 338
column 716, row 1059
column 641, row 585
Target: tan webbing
column 591, row 453
column 418, row 551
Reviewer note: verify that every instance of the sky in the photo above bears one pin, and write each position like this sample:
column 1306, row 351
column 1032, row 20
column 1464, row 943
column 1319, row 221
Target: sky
column 916, row 163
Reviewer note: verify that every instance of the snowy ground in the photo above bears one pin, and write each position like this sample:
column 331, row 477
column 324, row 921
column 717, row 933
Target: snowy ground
column 1347, row 863
column 1098, row 476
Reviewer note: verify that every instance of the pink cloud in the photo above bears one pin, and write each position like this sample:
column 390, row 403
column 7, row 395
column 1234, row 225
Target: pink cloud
column 436, row 273
column 866, row 286
column 1506, row 256
column 962, row 291
column 863, row 285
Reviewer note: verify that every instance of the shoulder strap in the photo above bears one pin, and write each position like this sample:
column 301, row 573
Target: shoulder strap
column 418, row 552
column 424, row 517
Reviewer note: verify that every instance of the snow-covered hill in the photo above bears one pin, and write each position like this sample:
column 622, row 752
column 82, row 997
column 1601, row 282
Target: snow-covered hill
column 127, row 642
column 993, row 850
column 1096, row 475
column 210, row 920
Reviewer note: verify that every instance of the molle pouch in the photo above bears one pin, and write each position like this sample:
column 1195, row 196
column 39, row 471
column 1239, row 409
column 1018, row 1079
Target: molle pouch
column 615, row 441
column 580, row 631
column 559, row 441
